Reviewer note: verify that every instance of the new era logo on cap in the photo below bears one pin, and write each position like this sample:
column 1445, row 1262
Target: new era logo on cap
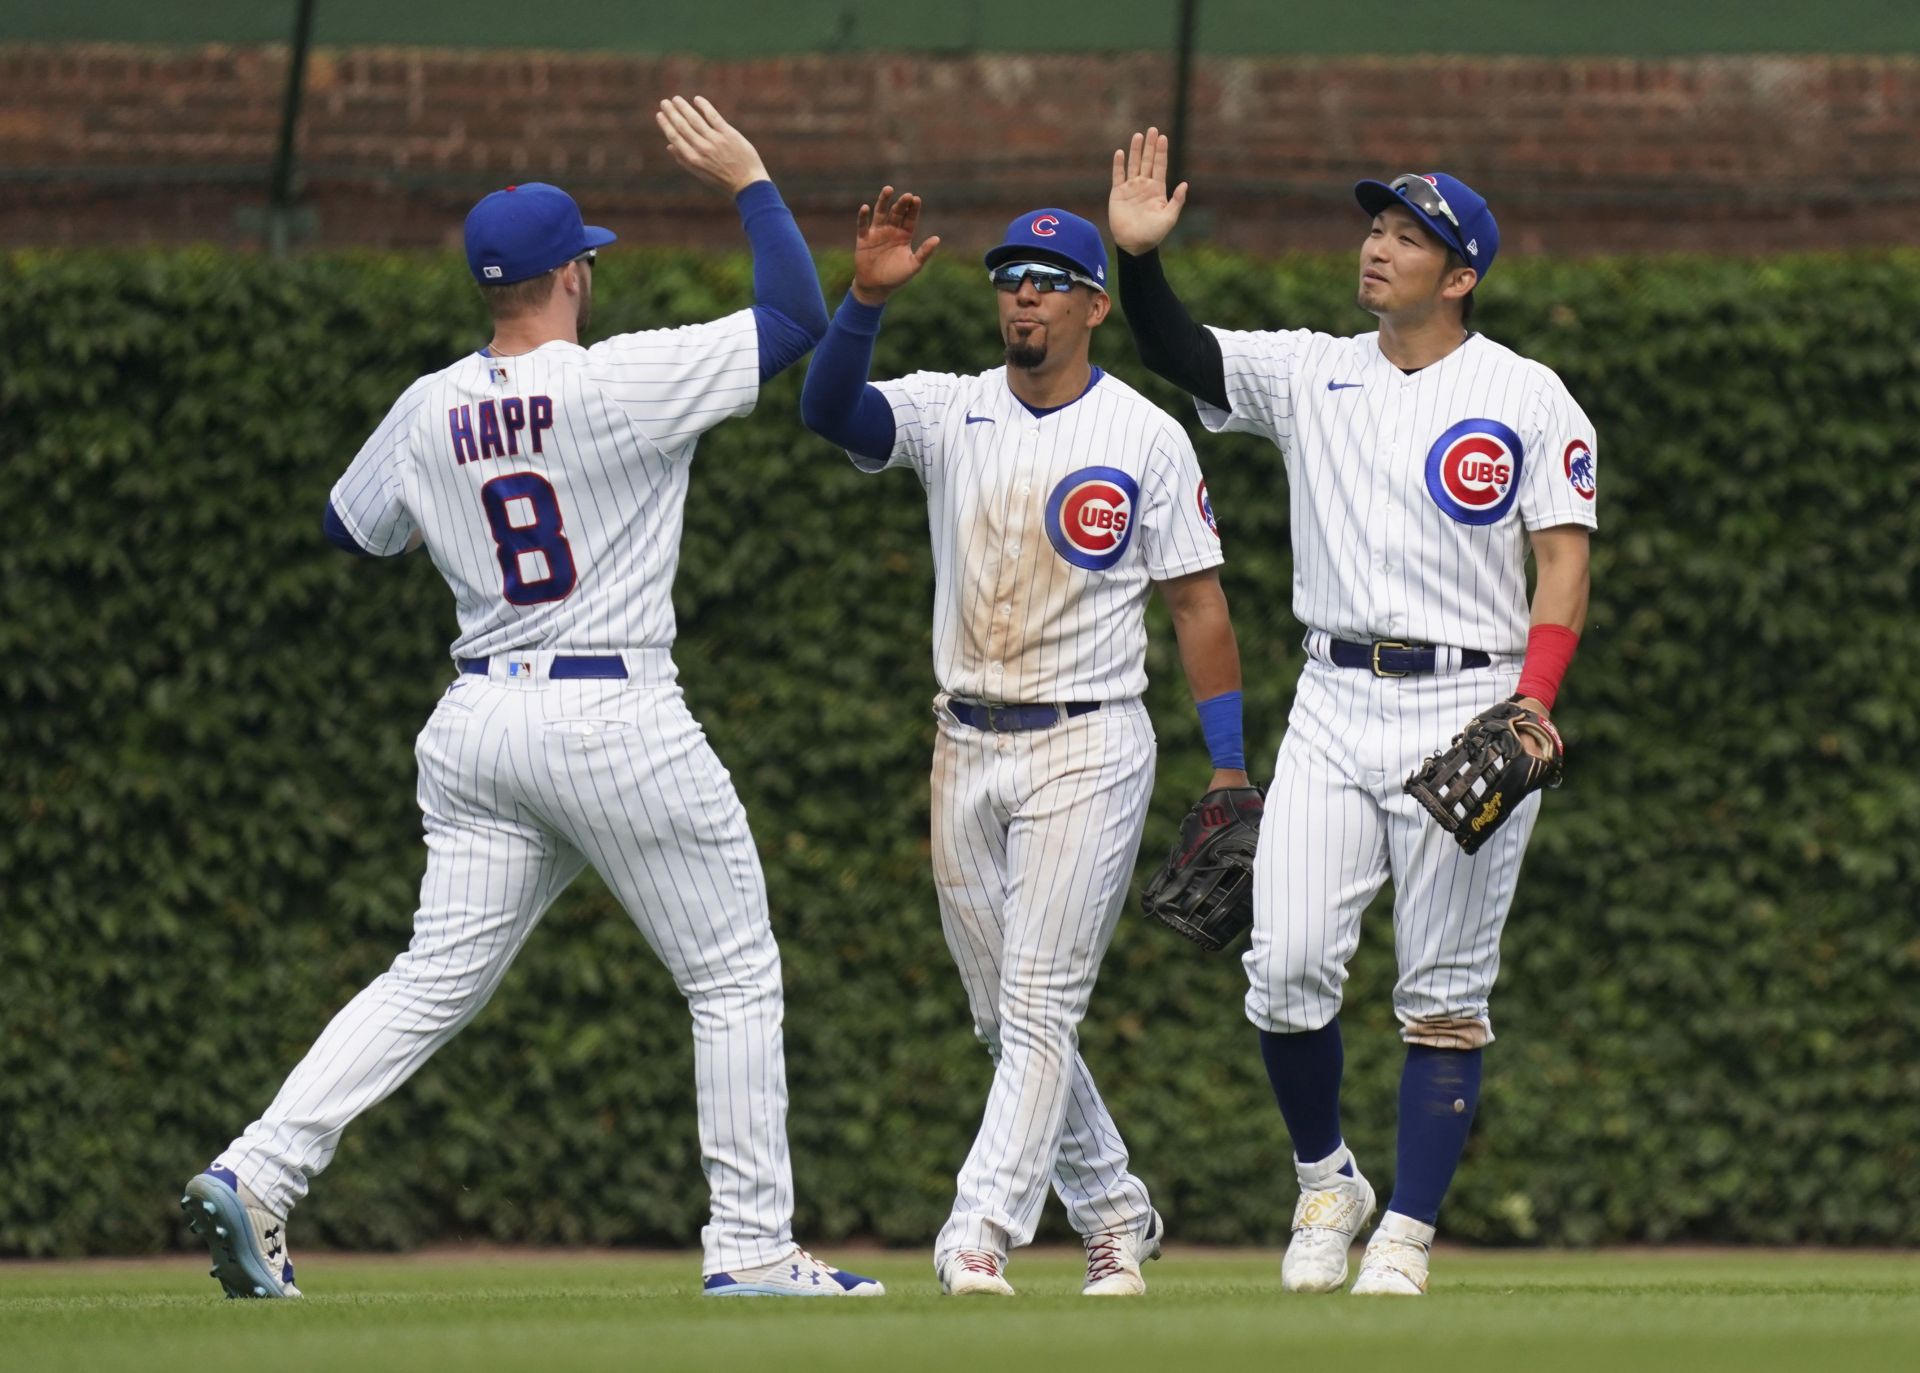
column 525, row 230
column 1457, row 214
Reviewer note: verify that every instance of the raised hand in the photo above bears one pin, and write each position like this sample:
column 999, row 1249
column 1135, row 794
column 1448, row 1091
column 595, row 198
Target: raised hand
column 1139, row 211
column 706, row 145
column 884, row 258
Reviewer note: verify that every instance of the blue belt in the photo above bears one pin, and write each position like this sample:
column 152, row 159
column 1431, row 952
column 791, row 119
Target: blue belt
column 564, row 666
column 1386, row 659
column 1006, row 719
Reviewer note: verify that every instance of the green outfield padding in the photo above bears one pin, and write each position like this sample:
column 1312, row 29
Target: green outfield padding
column 1226, row 28
column 1710, row 1001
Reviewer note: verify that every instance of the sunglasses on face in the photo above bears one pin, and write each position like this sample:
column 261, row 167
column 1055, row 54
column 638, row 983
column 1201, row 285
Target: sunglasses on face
column 1044, row 276
column 587, row 257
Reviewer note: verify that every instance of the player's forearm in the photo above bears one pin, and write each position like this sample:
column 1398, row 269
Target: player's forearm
column 1563, row 604
column 790, row 309
column 1210, row 655
column 836, row 403
column 1561, row 582
column 1209, row 652
column 1559, row 612
column 1171, row 344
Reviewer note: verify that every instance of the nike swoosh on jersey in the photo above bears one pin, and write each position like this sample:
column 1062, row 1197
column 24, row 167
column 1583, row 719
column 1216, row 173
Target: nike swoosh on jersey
column 1344, row 385
column 978, row 419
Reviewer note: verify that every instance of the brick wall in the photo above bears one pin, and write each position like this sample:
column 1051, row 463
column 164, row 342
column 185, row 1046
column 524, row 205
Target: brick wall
column 106, row 144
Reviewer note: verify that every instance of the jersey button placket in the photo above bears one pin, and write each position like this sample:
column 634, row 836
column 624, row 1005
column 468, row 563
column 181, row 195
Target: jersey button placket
column 1380, row 611
column 1006, row 587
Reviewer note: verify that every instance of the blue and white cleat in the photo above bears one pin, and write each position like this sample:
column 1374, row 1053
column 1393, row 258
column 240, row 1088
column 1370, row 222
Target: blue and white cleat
column 249, row 1243
column 799, row 1274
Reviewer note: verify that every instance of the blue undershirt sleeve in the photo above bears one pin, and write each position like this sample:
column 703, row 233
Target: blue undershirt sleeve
column 1220, row 726
column 788, row 308
column 836, row 402
column 337, row 534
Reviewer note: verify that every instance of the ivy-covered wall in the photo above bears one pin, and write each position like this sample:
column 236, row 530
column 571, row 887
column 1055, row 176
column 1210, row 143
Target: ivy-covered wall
column 1709, row 1013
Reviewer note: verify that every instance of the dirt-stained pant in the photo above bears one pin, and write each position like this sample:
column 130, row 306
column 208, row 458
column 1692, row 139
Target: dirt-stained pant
column 1034, row 839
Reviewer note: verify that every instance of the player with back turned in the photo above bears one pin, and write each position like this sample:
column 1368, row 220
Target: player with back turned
column 1057, row 498
column 1423, row 463
column 547, row 482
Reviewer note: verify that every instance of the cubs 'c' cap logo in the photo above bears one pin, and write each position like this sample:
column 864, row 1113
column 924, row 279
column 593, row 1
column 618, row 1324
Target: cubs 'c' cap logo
column 1578, row 460
column 1045, row 226
column 1206, row 508
column 1473, row 471
column 1090, row 516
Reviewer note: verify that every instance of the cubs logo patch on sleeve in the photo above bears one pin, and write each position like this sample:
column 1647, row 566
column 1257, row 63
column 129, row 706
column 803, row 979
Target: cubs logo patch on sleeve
column 1578, row 462
column 1206, row 508
column 1473, row 471
column 1090, row 516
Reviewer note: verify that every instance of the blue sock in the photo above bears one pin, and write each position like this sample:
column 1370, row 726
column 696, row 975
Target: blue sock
column 1305, row 1072
column 1438, row 1090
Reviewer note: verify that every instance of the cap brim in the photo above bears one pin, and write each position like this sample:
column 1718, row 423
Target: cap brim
column 1021, row 252
column 596, row 237
column 1375, row 196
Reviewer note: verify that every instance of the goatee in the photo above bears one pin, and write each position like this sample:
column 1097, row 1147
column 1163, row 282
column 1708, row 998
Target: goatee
column 1025, row 356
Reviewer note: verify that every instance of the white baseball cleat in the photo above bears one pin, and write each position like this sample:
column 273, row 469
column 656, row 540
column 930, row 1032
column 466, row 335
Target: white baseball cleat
column 248, row 1242
column 1395, row 1264
column 974, row 1273
column 1114, row 1258
column 799, row 1274
column 1332, row 1208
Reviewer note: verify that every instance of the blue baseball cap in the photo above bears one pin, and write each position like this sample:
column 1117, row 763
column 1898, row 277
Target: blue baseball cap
column 1054, row 236
column 1433, row 197
column 526, row 230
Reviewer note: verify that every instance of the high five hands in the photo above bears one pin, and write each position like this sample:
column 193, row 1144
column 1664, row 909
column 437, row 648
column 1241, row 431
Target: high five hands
column 1139, row 211
column 706, row 145
column 884, row 258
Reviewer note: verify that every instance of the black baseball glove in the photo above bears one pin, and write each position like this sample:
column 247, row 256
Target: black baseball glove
column 1205, row 888
column 1473, row 786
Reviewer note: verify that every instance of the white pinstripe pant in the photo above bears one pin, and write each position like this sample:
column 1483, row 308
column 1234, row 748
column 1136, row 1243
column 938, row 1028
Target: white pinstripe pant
column 1034, row 839
column 1338, row 825
column 522, row 784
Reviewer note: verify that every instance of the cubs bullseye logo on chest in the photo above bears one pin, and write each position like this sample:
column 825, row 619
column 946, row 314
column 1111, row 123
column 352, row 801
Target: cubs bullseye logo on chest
column 1473, row 471
column 1090, row 516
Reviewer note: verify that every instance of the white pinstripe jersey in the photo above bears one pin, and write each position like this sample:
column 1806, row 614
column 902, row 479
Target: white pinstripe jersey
column 550, row 486
column 1411, row 495
column 1047, row 531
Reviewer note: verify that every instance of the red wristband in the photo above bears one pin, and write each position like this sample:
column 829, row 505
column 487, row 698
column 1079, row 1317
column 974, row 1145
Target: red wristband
column 1549, row 650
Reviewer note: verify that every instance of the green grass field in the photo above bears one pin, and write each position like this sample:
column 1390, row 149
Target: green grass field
column 1625, row 1312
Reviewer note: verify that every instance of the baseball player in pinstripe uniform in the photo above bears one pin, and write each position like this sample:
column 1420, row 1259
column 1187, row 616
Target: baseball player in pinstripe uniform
column 547, row 481
column 1423, row 463
column 1056, row 498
